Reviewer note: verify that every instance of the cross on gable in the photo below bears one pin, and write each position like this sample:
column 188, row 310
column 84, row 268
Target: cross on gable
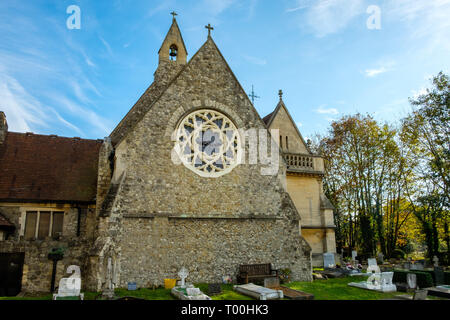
column 173, row 13
column 209, row 29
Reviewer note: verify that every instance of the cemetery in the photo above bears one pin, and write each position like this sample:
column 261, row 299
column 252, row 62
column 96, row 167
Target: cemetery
column 371, row 279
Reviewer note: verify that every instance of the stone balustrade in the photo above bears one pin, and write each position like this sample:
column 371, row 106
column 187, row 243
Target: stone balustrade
column 304, row 162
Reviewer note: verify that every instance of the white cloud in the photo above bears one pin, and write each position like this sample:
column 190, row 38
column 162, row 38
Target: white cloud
column 375, row 72
column 428, row 21
column 325, row 17
column 217, row 6
column 420, row 92
column 255, row 60
column 23, row 111
column 322, row 110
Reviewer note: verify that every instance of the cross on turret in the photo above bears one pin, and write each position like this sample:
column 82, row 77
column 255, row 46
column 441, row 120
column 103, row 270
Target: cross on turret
column 209, row 29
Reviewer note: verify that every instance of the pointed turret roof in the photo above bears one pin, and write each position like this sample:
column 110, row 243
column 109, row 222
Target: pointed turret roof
column 174, row 30
column 271, row 116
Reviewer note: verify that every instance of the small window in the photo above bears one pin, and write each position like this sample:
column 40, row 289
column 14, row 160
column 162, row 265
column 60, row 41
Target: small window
column 30, row 225
column 58, row 218
column 42, row 224
column 281, row 142
column 287, row 143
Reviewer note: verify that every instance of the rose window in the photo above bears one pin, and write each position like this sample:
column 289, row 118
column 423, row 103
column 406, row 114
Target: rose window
column 208, row 143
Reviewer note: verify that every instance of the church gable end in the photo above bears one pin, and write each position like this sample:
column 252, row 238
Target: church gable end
column 166, row 216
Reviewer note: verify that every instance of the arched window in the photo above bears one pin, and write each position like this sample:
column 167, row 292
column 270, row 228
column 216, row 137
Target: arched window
column 173, row 52
column 281, row 142
column 287, row 143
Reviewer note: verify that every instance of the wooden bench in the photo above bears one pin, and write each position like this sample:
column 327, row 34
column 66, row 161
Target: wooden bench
column 255, row 272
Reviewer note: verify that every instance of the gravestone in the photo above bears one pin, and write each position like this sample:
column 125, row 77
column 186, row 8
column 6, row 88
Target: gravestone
column 328, row 260
column 420, row 295
column 411, row 280
column 435, row 261
column 70, row 287
column 439, row 275
column 193, row 291
column 272, row 282
column 372, row 262
column 419, row 265
column 132, row 286
column 189, row 292
column 258, row 292
column 354, row 254
column 377, row 281
column 214, row 289
column 183, row 274
column 381, row 258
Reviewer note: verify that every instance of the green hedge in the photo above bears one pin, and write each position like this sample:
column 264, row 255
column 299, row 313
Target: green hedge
column 424, row 279
column 446, row 276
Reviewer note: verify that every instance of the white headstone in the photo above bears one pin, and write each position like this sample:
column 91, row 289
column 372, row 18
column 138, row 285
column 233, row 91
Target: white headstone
column 193, row 291
column 372, row 262
column 70, row 287
column 354, row 254
column 328, row 260
column 411, row 280
column 183, row 274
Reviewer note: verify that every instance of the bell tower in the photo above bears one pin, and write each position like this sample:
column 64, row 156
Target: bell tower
column 173, row 48
column 172, row 54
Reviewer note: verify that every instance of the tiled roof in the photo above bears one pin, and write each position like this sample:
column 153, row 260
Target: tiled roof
column 267, row 118
column 48, row 168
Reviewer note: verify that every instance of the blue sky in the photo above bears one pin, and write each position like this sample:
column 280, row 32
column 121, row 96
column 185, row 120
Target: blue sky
column 54, row 80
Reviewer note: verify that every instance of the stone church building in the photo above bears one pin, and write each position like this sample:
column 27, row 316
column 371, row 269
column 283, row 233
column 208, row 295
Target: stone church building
column 171, row 186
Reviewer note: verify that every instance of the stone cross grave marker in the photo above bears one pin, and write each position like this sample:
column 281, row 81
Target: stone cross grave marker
column 411, row 280
column 183, row 274
column 328, row 260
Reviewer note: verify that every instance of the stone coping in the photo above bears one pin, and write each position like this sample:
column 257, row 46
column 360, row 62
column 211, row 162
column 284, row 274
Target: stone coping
column 220, row 216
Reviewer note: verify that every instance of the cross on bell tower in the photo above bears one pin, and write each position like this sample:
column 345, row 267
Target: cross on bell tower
column 209, row 29
column 173, row 48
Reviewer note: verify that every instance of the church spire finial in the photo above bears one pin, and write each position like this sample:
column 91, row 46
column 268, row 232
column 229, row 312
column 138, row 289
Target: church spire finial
column 174, row 14
column 209, row 29
column 280, row 93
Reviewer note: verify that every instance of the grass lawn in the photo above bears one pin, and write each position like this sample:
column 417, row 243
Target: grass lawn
column 331, row 289
column 338, row 289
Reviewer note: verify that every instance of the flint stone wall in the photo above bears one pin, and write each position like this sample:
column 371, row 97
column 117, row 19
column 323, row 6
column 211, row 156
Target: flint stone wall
column 164, row 216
